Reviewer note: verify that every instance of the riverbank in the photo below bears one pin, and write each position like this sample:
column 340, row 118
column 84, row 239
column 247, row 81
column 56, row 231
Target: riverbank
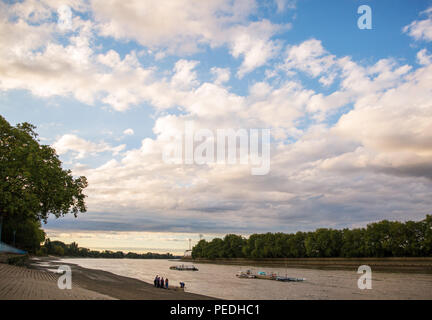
column 393, row 265
column 37, row 282
column 21, row 283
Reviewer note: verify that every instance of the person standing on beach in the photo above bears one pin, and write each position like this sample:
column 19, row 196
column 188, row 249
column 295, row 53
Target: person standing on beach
column 162, row 283
column 166, row 283
column 156, row 280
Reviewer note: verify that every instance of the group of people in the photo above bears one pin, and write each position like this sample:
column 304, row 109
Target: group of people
column 160, row 282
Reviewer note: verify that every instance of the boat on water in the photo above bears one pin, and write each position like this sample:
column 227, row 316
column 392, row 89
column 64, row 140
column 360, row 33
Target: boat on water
column 266, row 276
column 248, row 274
column 184, row 268
column 260, row 275
column 289, row 279
column 245, row 275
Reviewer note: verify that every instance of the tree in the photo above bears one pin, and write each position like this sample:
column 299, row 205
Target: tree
column 58, row 250
column 232, row 247
column 32, row 181
column 296, row 245
column 198, row 250
column 353, row 243
column 72, row 249
column 24, row 233
column 380, row 239
column 427, row 241
column 215, row 249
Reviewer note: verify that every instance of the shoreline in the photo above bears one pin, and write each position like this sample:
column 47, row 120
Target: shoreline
column 415, row 265
column 36, row 282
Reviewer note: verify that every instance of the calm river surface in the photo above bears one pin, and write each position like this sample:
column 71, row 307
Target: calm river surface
column 220, row 281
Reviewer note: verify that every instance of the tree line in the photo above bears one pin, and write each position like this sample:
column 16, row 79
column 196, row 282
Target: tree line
column 380, row 239
column 59, row 248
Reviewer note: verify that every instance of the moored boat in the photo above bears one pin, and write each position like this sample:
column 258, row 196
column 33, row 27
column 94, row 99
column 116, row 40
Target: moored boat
column 184, row 268
column 266, row 276
column 289, row 279
column 245, row 275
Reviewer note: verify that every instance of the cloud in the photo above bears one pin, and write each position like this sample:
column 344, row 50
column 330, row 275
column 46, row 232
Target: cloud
column 371, row 161
column 309, row 57
column 83, row 148
column 352, row 80
column 221, row 75
column 179, row 26
column 423, row 57
column 128, row 132
column 254, row 44
column 184, row 77
column 75, row 67
column 283, row 5
column 363, row 167
column 421, row 29
column 185, row 27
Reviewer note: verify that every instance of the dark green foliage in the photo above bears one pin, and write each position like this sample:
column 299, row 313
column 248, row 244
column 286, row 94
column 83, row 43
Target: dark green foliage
column 19, row 260
column 324, row 243
column 33, row 185
column 381, row 239
column 32, row 181
column 23, row 232
column 58, row 248
column 232, row 246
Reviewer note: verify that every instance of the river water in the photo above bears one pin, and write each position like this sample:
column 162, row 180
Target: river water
column 220, row 281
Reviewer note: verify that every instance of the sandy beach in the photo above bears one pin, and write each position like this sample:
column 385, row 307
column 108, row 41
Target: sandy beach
column 37, row 282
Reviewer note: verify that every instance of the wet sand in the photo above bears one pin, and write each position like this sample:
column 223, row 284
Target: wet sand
column 39, row 283
column 21, row 283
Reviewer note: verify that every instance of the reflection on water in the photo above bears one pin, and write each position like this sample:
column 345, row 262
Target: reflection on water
column 220, row 281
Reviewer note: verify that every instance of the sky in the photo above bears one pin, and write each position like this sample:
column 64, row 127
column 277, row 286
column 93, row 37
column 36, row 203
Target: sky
column 108, row 84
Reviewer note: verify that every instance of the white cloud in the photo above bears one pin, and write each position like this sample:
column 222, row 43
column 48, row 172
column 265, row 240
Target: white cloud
column 310, row 57
column 184, row 77
column 221, row 75
column 128, row 132
column 354, row 81
column 383, row 141
column 183, row 27
column 38, row 63
column 421, row 29
column 83, row 148
column 423, row 57
column 396, row 120
column 254, row 44
column 179, row 26
column 283, row 5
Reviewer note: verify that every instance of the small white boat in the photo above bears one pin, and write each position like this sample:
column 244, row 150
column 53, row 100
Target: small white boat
column 245, row 275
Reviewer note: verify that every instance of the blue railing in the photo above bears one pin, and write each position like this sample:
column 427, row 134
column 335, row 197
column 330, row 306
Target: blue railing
column 9, row 249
